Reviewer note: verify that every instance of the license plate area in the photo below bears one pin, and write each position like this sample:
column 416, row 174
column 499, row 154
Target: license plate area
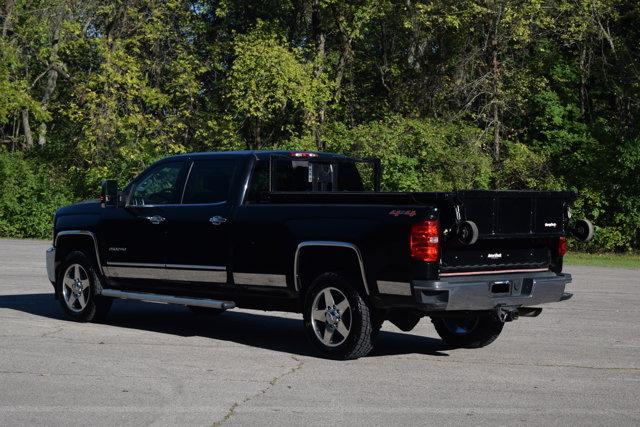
column 515, row 287
column 501, row 288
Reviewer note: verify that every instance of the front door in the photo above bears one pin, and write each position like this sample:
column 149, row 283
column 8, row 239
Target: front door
column 198, row 235
column 134, row 237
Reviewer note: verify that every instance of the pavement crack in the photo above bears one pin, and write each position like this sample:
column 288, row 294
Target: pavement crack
column 232, row 409
column 50, row 333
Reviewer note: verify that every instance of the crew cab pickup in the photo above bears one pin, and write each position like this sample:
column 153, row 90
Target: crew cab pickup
column 312, row 233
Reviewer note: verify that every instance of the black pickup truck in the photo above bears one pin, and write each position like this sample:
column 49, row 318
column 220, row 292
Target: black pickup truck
column 312, row 233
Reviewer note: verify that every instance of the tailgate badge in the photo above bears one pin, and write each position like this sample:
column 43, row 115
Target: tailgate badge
column 494, row 256
column 550, row 225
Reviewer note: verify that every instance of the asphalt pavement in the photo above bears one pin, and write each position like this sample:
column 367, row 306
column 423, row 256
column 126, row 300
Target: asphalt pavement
column 152, row 364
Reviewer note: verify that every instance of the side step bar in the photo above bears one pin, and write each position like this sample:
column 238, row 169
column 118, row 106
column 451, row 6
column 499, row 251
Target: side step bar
column 168, row 299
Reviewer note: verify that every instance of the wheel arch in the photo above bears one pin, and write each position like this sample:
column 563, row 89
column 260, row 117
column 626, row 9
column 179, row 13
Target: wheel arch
column 84, row 241
column 338, row 257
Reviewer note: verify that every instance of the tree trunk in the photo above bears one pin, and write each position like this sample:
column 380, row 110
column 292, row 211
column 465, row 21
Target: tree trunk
column 256, row 134
column 52, row 78
column 8, row 12
column 585, row 59
column 496, row 95
column 495, row 107
column 28, row 136
column 342, row 63
column 319, row 39
column 345, row 54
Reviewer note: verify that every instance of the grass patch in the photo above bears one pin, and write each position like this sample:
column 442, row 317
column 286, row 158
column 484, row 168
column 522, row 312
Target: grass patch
column 603, row 260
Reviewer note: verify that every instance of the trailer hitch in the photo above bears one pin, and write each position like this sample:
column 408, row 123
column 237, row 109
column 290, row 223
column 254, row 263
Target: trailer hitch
column 507, row 314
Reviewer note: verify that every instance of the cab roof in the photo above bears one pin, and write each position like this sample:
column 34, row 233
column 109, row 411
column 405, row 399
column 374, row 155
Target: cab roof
column 255, row 153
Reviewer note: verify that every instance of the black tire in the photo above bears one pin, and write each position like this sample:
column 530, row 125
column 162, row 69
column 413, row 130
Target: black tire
column 583, row 230
column 95, row 306
column 468, row 233
column 358, row 318
column 473, row 331
column 377, row 319
column 205, row 311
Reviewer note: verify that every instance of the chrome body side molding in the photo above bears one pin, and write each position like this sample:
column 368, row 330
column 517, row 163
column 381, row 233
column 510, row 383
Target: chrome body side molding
column 302, row 245
column 173, row 272
column 130, row 272
column 258, row 279
column 196, row 267
column 168, row 299
column 82, row 233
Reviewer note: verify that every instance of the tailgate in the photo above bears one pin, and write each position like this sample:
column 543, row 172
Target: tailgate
column 517, row 230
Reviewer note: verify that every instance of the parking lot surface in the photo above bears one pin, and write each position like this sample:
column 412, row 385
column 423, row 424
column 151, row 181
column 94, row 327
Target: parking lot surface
column 578, row 363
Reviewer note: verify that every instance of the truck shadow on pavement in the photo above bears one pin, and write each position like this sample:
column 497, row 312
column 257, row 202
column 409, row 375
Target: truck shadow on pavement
column 265, row 331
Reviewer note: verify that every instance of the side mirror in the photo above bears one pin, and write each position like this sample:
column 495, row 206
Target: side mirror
column 109, row 193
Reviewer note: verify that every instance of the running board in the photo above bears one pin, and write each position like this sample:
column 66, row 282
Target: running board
column 168, row 299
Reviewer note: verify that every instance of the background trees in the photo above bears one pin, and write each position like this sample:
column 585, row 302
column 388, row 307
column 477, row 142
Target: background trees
column 451, row 94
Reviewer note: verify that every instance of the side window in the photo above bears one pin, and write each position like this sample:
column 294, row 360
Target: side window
column 259, row 185
column 159, row 187
column 209, row 181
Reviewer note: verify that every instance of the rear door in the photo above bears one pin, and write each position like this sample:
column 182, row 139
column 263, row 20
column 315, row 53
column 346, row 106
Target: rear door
column 198, row 229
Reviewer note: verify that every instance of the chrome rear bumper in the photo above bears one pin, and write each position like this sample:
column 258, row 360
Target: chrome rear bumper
column 486, row 292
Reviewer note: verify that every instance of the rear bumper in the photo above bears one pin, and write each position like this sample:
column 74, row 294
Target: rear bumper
column 487, row 292
column 51, row 264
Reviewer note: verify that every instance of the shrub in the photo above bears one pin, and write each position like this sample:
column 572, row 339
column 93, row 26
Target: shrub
column 29, row 195
column 416, row 154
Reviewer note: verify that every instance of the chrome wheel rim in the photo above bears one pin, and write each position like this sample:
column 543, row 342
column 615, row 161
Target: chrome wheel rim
column 461, row 326
column 75, row 287
column 331, row 317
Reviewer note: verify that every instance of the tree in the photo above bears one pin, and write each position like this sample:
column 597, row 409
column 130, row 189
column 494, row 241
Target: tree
column 266, row 81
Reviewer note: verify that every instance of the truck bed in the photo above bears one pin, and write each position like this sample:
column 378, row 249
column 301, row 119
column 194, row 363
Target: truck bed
column 518, row 230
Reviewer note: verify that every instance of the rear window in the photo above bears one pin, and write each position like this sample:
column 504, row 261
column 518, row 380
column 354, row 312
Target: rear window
column 302, row 175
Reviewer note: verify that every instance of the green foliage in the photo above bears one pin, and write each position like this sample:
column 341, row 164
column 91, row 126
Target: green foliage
column 417, row 155
column 520, row 94
column 14, row 90
column 267, row 79
column 29, row 195
column 523, row 168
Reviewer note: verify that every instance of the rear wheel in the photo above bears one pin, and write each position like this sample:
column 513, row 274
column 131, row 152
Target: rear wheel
column 472, row 331
column 337, row 319
column 77, row 286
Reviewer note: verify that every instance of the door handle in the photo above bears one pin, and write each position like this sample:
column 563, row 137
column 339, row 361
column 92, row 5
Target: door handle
column 156, row 219
column 217, row 220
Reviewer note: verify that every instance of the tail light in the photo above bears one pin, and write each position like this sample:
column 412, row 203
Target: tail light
column 425, row 241
column 562, row 246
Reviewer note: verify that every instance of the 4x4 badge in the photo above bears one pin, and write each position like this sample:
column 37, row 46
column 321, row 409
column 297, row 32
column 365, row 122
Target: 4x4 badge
column 397, row 213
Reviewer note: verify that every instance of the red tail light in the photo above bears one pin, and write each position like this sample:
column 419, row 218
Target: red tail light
column 425, row 241
column 562, row 246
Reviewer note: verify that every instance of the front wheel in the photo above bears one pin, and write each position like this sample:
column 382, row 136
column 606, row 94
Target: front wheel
column 472, row 331
column 337, row 319
column 77, row 285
